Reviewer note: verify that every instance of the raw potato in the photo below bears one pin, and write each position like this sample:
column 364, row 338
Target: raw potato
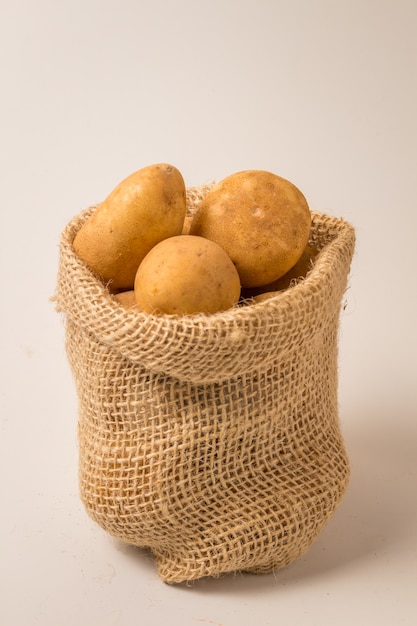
column 261, row 220
column 145, row 208
column 184, row 275
column 300, row 270
column 127, row 299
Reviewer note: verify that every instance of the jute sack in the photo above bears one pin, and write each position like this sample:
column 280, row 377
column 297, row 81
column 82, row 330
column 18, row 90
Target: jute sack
column 213, row 440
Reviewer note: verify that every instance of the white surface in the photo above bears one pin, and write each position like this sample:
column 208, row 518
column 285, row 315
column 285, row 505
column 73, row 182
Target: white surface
column 321, row 92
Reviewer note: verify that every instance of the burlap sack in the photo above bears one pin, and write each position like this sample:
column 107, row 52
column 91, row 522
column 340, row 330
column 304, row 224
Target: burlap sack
column 212, row 440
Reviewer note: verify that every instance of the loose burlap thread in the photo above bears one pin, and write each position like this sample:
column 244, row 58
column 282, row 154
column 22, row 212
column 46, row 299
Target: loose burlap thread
column 213, row 440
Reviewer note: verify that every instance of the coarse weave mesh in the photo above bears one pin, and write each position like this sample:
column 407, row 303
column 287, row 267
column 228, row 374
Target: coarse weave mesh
column 213, row 440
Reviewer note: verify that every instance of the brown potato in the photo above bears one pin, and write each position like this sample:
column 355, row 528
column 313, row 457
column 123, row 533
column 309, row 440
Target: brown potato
column 300, row 270
column 145, row 208
column 184, row 275
column 127, row 299
column 261, row 220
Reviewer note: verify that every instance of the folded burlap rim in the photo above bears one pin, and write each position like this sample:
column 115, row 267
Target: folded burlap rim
column 174, row 345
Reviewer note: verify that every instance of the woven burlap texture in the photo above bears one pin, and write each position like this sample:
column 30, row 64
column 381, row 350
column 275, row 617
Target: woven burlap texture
column 213, row 440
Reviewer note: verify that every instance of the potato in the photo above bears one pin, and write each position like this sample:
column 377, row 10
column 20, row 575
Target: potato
column 300, row 270
column 184, row 275
column 261, row 220
column 127, row 299
column 145, row 208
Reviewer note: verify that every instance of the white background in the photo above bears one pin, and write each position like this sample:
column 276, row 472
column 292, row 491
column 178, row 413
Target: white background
column 322, row 92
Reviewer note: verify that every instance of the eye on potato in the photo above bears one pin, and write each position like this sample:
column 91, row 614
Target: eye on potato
column 183, row 275
column 261, row 220
column 145, row 208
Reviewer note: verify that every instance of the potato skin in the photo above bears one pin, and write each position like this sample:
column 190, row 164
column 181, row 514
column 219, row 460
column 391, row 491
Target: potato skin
column 127, row 299
column 261, row 220
column 145, row 208
column 183, row 275
column 300, row 270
